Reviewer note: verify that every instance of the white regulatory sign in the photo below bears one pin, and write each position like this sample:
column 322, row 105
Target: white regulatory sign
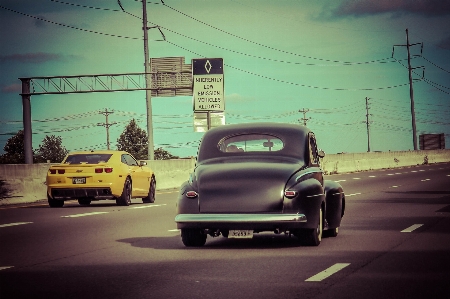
column 208, row 85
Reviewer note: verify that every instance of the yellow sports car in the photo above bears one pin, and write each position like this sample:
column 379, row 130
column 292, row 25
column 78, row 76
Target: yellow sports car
column 96, row 175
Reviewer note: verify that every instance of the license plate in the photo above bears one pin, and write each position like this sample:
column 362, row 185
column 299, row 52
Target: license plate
column 241, row 234
column 79, row 180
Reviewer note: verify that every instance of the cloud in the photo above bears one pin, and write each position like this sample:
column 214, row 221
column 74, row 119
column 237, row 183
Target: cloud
column 428, row 8
column 38, row 57
column 13, row 88
column 39, row 23
column 235, row 97
column 444, row 44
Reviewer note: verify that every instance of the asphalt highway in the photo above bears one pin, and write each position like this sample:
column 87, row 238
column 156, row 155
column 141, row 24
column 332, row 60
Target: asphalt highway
column 394, row 242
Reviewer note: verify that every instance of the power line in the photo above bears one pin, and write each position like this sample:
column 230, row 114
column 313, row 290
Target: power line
column 68, row 26
column 384, row 60
column 265, row 46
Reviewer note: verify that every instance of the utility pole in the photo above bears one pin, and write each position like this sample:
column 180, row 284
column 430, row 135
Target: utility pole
column 304, row 116
column 106, row 124
column 367, row 124
column 148, row 84
column 411, row 90
column 411, row 93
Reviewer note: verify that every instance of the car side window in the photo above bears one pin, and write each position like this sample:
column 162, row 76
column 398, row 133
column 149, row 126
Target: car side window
column 313, row 152
column 129, row 160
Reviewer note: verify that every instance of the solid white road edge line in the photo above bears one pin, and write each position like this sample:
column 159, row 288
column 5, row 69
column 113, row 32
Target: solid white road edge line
column 411, row 228
column 353, row 194
column 85, row 214
column 328, row 272
column 13, row 224
column 150, row 206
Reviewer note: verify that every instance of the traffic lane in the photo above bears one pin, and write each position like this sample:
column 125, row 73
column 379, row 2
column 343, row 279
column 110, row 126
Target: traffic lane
column 413, row 266
column 391, row 178
column 417, row 268
column 161, row 267
column 396, row 209
column 265, row 267
column 357, row 245
column 76, row 230
column 220, row 268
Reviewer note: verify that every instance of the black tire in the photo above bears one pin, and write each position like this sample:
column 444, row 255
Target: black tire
column 312, row 237
column 84, row 202
column 125, row 198
column 193, row 237
column 151, row 192
column 333, row 232
column 54, row 203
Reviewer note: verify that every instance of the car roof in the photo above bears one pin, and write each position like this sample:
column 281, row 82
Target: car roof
column 292, row 135
column 97, row 152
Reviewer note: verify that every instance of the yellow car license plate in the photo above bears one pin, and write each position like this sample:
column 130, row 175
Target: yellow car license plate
column 79, row 180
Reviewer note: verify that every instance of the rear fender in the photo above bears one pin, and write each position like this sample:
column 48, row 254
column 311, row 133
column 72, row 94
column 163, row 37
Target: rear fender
column 335, row 203
column 186, row 205
column 308, row 201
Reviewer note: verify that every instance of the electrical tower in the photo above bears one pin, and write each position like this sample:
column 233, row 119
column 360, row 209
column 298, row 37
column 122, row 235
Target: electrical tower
column 304, row 119
column 106, row 124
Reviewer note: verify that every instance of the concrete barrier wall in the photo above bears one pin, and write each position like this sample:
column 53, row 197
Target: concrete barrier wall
column 341, row 163
column 26, row 181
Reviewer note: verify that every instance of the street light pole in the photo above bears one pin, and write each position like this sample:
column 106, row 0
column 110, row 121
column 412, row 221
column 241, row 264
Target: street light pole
column 148, row 85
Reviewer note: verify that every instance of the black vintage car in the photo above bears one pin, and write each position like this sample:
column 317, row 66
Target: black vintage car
column 259, row 177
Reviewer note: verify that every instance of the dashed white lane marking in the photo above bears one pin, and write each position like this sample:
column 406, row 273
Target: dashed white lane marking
column 394, row 187
column 411, row 228
column 356, row 178
column 14, row 224
column 390, row 174
column 353, row 194
column 173, row 230
column 340, row 181
column 5, row 267
column 421, row 170
column 372, row 176
column 85, row 214
column 425, row 180
column 413, row 170
column 148, row 206
column 328, row 272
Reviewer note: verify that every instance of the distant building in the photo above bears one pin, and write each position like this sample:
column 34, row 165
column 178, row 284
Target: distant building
column 432, row 141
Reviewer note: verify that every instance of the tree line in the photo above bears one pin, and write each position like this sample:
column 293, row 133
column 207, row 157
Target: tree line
column 133, row 140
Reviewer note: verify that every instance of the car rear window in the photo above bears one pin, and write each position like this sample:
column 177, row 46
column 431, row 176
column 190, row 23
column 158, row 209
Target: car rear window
column 87, row 158
column 250, row 143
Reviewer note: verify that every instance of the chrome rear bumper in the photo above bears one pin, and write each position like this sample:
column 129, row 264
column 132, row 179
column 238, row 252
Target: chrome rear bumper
column 240, row 218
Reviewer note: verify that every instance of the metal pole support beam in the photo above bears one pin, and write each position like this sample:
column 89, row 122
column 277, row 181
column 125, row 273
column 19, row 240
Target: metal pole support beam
column 148, row 84
column 26, row 110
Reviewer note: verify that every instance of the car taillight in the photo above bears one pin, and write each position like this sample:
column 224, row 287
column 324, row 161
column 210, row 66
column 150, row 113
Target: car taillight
column 290, row 193
column 108, row 170
column 52, row 171
column 98, row 170
column 191, row 194
column 61, row 171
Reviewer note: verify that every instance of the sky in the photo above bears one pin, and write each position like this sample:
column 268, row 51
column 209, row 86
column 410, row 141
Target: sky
column 280, row 58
